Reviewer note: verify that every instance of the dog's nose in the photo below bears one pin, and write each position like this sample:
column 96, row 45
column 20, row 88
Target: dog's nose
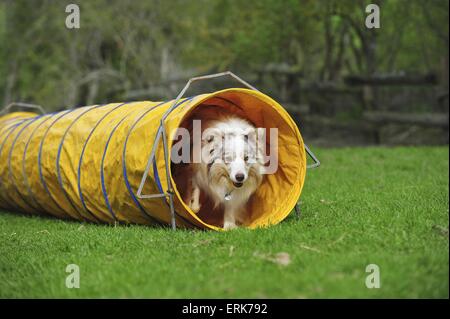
column 239, row 177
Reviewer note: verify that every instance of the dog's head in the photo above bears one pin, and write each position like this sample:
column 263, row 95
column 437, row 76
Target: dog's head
column 232, row 155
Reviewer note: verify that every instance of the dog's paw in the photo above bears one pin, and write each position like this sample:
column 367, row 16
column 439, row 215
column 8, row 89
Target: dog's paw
column 195, row 206
column 229, row 225
column 194, row 202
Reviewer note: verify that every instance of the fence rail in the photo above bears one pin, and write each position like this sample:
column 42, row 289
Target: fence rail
column 360, row 104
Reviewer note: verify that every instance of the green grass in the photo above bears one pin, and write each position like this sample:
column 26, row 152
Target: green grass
column 386, row 206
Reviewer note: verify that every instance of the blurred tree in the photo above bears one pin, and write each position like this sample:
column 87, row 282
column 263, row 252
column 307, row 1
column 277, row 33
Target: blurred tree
column 123, row 46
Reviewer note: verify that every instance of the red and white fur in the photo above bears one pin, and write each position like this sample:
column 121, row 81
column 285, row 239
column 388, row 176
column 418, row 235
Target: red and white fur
column 230, row 170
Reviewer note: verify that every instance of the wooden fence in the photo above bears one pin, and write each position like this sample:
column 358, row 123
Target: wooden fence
column 382, row 109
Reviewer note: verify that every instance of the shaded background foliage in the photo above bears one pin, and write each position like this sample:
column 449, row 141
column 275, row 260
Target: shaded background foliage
column 302, row 52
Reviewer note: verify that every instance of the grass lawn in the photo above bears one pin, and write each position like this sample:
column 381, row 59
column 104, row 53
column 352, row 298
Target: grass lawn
column 384, row 206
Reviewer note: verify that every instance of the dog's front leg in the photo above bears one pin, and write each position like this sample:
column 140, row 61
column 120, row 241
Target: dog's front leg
column 229, row 219
column 194, row 203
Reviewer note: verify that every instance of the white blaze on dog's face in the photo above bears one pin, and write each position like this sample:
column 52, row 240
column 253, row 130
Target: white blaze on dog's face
column 236, row 156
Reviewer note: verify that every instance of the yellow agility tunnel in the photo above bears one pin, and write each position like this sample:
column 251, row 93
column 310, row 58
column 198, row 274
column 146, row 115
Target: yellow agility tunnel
column 110, row 163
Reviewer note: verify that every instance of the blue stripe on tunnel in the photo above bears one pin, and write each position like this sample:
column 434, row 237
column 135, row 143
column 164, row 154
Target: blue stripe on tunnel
column 27, row 184
column 41, row 176
column 124, row 168
column 10, row 174
column 102, row 172
column 8, row 133
column 58, row 157
column 156, row 178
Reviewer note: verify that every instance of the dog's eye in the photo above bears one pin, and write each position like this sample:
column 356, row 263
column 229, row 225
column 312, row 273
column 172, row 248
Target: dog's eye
column 246, row 158
column 210, row 138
